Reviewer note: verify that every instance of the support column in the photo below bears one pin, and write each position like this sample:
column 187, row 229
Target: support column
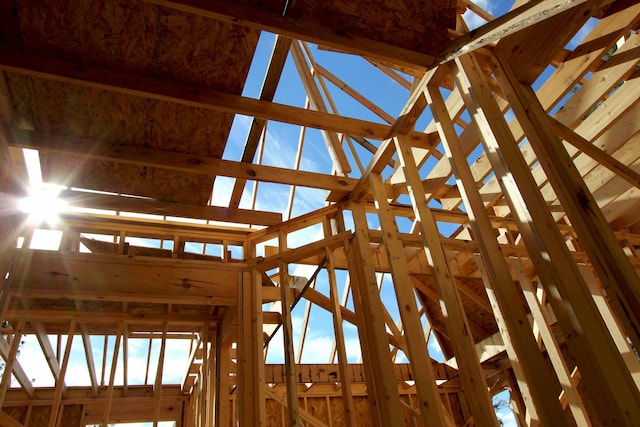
column 417, row 352
column 530, row 369
column 345, row 377
column 222, row 397
column 616, row 273
column 251, row 400
column 386, row 408
column 587, row 335
column 471, row 374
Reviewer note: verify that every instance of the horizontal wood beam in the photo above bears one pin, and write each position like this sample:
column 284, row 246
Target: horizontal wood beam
column 109, row 317
column 293, row 255
column 142, row 156
column 319, row 373
column 530, row 13
column 301, row 29
column 158, row 207
column 99, row 78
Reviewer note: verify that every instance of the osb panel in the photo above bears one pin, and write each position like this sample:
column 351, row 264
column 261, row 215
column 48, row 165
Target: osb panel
column 361, row 409
column 406, row 414
column 417, row 25
column 190, row 130
column 159, row 184
column 140, row 38
column 275, row 6
column 102, row 306
column 274, row 414
column 337, row 412
column 40, row 416
column 190, row 309
column 103, row 116
column 317, row 406
column 146, row 308
column 71, row 416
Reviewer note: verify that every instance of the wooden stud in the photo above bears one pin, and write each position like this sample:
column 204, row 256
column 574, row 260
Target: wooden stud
column 553, row 350
column 267, row 93
column 112, row 376
column 571, row 301
column 345, row 380
column 428, row 397
column 56, row 411
column 528, row 364
column 293, row 416
column 250, row 356
column 340, row 162
column 386, row 409
column 615, row 271
column 457, row 325
column 10, row 359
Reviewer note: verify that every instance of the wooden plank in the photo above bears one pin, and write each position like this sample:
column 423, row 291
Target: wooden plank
column 615, row 271
column 571, row 301
column 302, row 29
column 17, row 370
column 293, row 415
column 106, row 414
column 386, row 410
column 8, row 421
column 267, row 93
column 11, row 359
column 429, row 403
column 528, row 364
column 157, row 385
column 604, row 159
column 47, row 349
column 340, row 84
column 574, row 400
column 159, row 207
column 91, row 366
column 99, row 78
column 515, row 20
column 590, row 51
column 457, row 324
column 336, row 311
column 251, row 385
column 88, row 148
column 331, row 140
column 56, row 411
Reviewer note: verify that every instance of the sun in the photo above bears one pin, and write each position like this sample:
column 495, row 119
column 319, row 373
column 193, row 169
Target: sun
column 43, row 205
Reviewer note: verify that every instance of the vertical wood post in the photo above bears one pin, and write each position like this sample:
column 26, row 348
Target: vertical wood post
column 251, row 400
column 381, row 382
column 587, row 335
column 528, row 364
column 430, row 405
column 471, row 374
column 345, row 377
column 614, row 269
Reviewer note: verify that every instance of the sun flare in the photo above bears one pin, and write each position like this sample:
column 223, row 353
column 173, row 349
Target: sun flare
column 43, row 205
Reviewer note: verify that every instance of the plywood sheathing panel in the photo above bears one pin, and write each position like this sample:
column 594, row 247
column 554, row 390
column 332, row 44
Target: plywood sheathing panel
column 416, row 25
column 319, row 408
column 71, row 416
column 137, row 38
column 140, row 38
